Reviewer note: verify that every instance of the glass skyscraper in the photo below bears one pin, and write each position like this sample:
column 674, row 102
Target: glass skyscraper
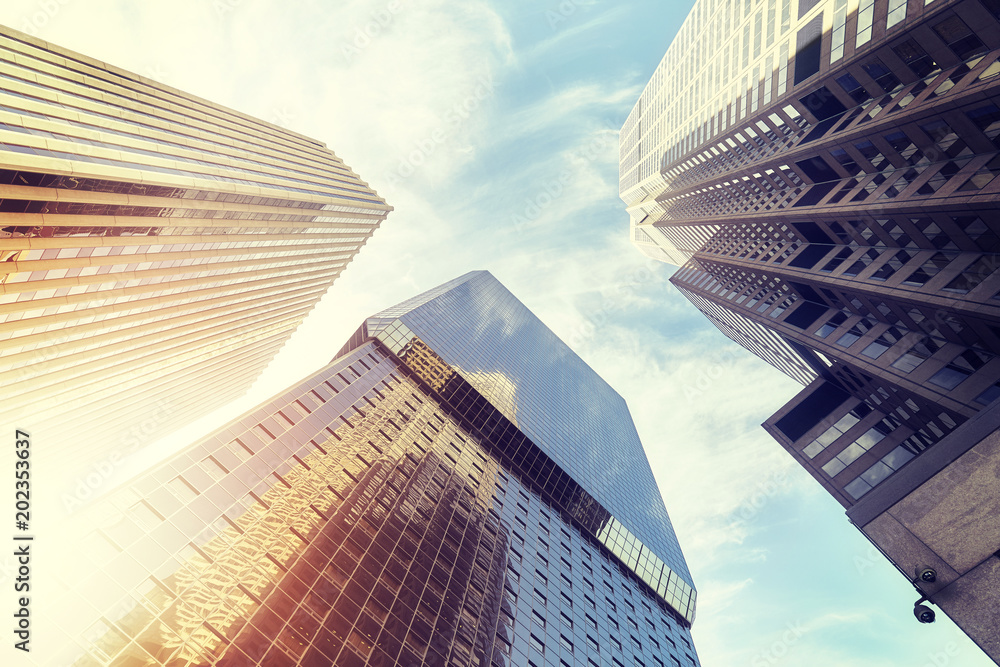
column 824, row 173
column 457, row 487
column 156, row 249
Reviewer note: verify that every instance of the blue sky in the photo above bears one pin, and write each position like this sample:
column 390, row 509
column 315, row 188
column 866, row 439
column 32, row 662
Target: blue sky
column 492, row 130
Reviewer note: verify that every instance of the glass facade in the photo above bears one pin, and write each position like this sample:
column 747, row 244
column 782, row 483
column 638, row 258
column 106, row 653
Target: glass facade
column 156, row 249
column 539, row 385
column 382, row 512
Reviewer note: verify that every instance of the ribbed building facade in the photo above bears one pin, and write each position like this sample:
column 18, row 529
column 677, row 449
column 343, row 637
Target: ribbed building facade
column 824, row 175
column 456, row 487
column 156, row 249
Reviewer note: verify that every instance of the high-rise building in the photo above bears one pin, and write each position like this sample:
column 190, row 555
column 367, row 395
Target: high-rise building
column 824, row 175
column 457, row 487
column 156, row 249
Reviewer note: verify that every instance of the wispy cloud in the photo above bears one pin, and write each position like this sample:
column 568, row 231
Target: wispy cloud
column 567, row 21
column 389, row 88
column 568, row 107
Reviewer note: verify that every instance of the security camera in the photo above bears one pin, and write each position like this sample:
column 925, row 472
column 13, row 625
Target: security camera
column 927, row 575
column 923, row 613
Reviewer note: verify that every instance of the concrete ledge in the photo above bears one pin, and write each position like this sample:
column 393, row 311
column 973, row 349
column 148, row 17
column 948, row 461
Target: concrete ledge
column 925, row 466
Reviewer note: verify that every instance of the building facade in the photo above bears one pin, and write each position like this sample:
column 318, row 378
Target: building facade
column 456, row 487
column 824, row 175
column 156, row 249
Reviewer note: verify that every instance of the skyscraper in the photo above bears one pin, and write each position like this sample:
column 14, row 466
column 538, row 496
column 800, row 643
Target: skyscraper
column 156, row 249
column 824, row 175
column 456, row 487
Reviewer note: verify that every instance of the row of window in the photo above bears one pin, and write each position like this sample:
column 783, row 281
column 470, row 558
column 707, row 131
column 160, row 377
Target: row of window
column 198, row 125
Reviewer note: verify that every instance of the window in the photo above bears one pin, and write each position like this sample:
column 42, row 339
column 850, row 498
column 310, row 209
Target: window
column 915, row 57
column 928, row 270
column 893, row 264
column 897, row 12
column 839, row 30
column 853, row 451
column 916, row 355
column 182, row 489
column 831, row 325
column 854, row 334
column 960, row 368
column 853, row 88
column 807, row 49
column 889, row 338
column 536, row 643
column 972, row 276
column 958, row 37
column 991, row 394
column 883, row 76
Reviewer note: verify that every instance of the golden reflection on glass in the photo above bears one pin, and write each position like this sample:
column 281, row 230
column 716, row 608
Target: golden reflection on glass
column 143, row 231
column 427, row 365
column 239, row 586
column 384, row 511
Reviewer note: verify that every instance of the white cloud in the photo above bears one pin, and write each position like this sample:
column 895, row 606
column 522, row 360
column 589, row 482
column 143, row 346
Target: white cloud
column 568, row 107
column 567, row 22
column 697, row 407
